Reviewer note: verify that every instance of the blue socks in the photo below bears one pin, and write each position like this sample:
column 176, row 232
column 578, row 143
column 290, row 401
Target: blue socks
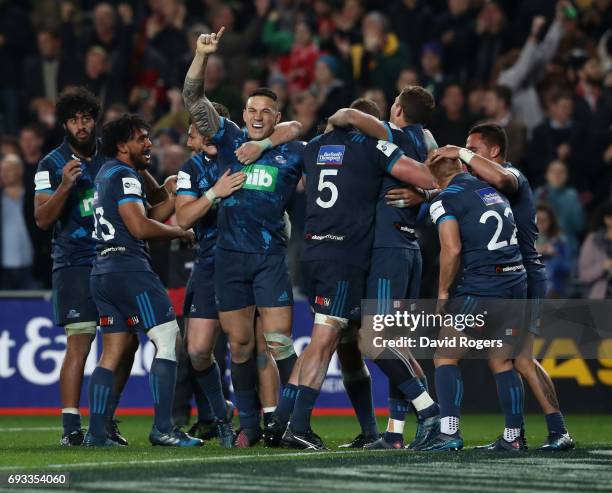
column 71, row 422
column 210, row 382
column 449, row 389
column 162, row 380
column 286, row 403
column 244, row 379
column 555, row 423
column 359, row 391
column 285, row 367
column 511, row 397
column 304, row 403
column 100, row 388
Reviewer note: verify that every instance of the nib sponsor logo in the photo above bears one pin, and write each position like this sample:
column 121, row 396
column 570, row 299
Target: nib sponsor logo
column 106, row 321
column 260, row 177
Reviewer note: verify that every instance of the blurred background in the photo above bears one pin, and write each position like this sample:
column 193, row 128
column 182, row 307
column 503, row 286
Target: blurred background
column 540, row 68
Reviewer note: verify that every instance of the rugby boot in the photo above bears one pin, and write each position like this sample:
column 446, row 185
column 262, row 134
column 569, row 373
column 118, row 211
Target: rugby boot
column 441, row 442
column 113, row 433
column 73, row 439
column 557, row 442
column 382, row 444
column 273, row 432
column 426, row 429
column 247, row 437
column 92, row 441
column 501, row 445
column 307, row 441
column 174, row 438
column 360, row 441
column 225, row 432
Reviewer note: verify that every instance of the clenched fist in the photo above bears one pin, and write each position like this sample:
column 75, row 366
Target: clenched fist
column 208, row 43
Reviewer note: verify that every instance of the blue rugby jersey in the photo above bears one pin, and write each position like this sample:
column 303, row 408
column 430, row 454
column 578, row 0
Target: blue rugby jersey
column 344, row 173
column 196, row 176
column 395, row 227
column 118, row 251
column 491, row 258
column 524, row 212
column 72, row 232
column 251, row 220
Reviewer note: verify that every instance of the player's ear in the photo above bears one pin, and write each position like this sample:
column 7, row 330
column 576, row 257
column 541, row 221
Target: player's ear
column 122, row 147
column 495, row 150
column 278, row 118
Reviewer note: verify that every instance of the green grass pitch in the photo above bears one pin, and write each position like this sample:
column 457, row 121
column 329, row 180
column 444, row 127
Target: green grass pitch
column 31, row 444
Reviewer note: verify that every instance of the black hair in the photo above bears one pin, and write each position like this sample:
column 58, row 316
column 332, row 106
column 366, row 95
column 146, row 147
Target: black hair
column 493, row 135
column 417, row 104
column 366, row 106
column 120, row 131
column 75, row 100
column 221, row 109
column 264, row 91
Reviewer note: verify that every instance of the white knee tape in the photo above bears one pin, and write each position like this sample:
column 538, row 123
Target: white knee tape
column 164, row 338
column 331, row 321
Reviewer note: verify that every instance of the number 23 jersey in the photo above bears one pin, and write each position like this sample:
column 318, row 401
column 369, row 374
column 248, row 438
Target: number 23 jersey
column 118, row 251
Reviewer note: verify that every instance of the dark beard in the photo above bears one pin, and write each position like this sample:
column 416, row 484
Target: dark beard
column 83, row 148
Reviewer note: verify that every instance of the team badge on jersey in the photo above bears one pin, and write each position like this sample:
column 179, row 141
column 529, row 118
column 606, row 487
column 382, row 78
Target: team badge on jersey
column 489, row 196
column 330, row 155
column 183, row 181
column 131, row 186
column 387, row 148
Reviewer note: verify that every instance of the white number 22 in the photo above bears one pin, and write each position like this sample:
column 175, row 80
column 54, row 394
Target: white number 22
column 494, row 243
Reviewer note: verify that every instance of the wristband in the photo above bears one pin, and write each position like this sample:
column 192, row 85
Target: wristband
column 263, row 144
column 210, row 195
column 465, row 155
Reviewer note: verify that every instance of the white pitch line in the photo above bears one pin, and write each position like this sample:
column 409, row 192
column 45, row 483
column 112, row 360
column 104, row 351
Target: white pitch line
column 229, row 458
column 35, row 428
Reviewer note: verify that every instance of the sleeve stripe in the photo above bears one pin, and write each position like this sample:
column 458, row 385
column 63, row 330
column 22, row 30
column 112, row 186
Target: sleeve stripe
column 389, row 133
column 186, row 192
column 393, row 161
column 447, row 217
column 46, row 191
column 129, row 199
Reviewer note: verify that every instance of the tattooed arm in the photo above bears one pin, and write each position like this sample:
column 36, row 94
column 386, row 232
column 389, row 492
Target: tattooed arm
column 204, row 115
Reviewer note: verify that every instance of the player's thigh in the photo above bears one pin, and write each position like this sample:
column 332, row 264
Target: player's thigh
column 233, row 280
column 394, row 275
column 131, row 301
column 335, row 289
column 271, row 285
column 201, row 335
column 200, row 299
column 73, row 304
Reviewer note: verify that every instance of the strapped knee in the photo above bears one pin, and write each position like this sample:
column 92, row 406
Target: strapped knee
column 280, row 345
column 338, row 323
column 164, row 338
column 81, row 328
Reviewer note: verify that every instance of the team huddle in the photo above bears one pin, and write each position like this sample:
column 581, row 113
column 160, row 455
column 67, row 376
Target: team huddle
column 366, row 181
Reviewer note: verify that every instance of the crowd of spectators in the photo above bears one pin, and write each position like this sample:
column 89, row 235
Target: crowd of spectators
column 540, row 68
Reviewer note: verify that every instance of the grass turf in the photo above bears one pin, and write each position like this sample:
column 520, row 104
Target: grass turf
column 31, row 444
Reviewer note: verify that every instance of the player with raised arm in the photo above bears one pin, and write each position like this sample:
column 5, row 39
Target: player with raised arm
column 345, row 170
column 64, row 190
column 128, row 294
column 198, row 181
column 250, row 258
column 478, row 246
column 485, row 156
column 395, row 270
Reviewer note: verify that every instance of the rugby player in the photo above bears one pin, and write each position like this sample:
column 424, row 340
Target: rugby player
column 128, row 294
column 477, row 231
column 64, row 190
column 195, row 208
column 250, row 258
column 395, row 269
column 345, row 171
column 486, row 158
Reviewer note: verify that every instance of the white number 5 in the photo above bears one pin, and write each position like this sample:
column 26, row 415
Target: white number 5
column 326, row 204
